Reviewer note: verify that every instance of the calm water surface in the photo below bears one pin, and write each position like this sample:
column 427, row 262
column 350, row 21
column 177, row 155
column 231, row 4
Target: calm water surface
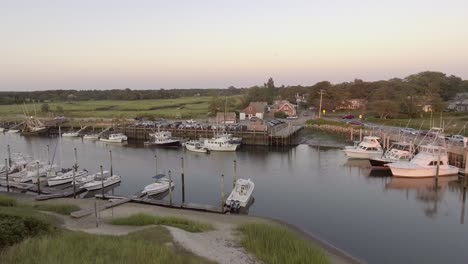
column 376, row 218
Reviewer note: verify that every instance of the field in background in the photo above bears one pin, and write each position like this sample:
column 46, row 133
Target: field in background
column 188, row 107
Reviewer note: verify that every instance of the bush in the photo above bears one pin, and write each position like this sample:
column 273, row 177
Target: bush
column 64, row 209
column 45, row 108
column 14, row 228
column 7, row 201
column 280, row 115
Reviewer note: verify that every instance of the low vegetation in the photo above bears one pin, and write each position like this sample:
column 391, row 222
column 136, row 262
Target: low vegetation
column 64, row 209
column 324, row 122
column 148, row 246
column 274, row 244
column 7, row 201
column 145, row 219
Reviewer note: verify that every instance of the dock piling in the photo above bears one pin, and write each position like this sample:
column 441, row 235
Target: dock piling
column 182, row 175
column 170, row 188
column 102, row 182
column 9, row 155
column 48, row 154
column 360, row 134
column 6, row 175
column 234, row 177
column 38, row 179
column 111, row 170
column 222, row 192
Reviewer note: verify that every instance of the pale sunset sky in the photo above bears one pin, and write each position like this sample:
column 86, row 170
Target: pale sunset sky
column 106, row 44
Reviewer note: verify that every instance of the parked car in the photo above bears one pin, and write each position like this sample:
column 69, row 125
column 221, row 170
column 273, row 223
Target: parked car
column 456, row 138
column 409, row 131
column 291, row 117
column 347, row 117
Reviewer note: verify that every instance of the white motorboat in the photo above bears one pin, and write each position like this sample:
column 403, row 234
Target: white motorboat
column 368, row 148
column 71, row 134
column 18, row 163
column 115, row 138
column 163, row 139
column 50, row 172
column 424, row 164
column 159, row 186
column 220, row 144
column 2, row 129
column 399, row 151
column 31, row 172
column 99, row 182
column 90, row 177
column 232, row 139
column 66, row 177
column 241, row 194
column 14, row 130
column 195, row 146
column 91, row 136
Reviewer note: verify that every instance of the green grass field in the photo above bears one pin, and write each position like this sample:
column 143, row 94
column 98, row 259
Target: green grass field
column 188, row 107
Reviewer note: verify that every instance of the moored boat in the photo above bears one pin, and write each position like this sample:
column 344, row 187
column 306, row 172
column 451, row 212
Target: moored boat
column 368, row 148
column 195, row 146
column 399, row 151
column 115, row 138
column 220, row 144
column 241, row 194
column 160, row 185
column 424, row 164
column 99, row 182
column 67, row 177
column 163, row 139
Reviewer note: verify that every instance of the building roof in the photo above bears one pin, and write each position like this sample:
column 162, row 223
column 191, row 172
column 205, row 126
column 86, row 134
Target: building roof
column 255, row 107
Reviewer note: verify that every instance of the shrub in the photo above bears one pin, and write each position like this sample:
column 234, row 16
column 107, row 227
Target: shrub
column 280, row 115
column 64, row 209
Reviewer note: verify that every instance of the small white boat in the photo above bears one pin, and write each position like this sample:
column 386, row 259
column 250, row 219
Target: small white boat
column 220, row 144
column 71, row 134
column 66, row 177
column 368, row 148
column 2, row 129
column 14, row 130
column 195, row 146
column 159, row 186
column 163, row 139
column 232, row 139
column 99, row 182
column 241, row 194
column 115, row 138
column 90, row 177
column 424, row 164
column 30, row 172
column 18, row 163
column 399, row 151
column 91, row 136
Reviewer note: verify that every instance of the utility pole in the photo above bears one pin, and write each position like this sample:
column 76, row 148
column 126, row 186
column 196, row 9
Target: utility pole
column 320, row 107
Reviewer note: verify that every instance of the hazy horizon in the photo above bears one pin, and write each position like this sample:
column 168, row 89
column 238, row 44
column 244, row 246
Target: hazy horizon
column 118, row 44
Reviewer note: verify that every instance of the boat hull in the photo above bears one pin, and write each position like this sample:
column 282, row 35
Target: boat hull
column 174, row 143
column 111, row 140
column 379, row 163
column 195, row 149
column 357, row 154
column 422, row 172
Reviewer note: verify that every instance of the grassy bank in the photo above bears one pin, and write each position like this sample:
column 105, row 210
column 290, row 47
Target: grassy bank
column 166, row 108
column 274, row 244
column 148, row 246
column 63, row 209
column 145, row 219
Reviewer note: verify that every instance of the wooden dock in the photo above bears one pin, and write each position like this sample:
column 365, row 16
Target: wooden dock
column 88, row 211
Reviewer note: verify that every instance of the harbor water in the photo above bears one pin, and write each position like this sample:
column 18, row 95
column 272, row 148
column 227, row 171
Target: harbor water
column 372, row 216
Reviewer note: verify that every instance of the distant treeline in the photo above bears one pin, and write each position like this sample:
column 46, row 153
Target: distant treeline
column 115, row 94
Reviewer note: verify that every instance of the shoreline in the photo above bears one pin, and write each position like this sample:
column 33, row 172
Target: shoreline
column 224, row 222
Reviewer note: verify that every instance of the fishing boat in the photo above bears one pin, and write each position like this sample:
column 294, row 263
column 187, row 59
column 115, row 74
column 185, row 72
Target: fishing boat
column 399, row 151
column 163, row 139
column 368, row 148
column 232, row 139
column 220, row 144
column 89, row 178
column 424, row 164
column 91, row 136
column 71, row 134
column 66, row 177
column 241, row 194
column 160, row 185
column 115, row 138
column 195, row 146
column 100, row 182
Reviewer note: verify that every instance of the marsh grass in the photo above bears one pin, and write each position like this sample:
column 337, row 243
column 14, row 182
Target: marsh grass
column 147, row 246
column 64, row 209
column 7, row 201
column 145, row 219
column 274, row 244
